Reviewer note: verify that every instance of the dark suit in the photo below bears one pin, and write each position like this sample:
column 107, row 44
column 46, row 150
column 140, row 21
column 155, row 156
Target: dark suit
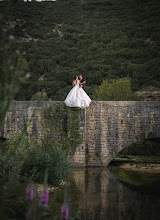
column 83, row 85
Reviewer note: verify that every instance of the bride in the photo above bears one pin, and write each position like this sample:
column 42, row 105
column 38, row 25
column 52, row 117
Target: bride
column 77, row 97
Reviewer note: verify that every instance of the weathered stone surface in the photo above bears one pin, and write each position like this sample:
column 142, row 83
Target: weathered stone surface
column 107, row 127
column 112, row 126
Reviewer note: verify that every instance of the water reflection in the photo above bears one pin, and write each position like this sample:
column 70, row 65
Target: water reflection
column 148, row 183
column 101, row 194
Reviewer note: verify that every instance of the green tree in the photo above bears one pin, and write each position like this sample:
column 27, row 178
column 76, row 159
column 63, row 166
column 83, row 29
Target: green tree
column 101, row 39
column 116, row 90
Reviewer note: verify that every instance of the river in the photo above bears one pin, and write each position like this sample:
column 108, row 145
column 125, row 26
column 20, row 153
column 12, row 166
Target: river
column 111, row 194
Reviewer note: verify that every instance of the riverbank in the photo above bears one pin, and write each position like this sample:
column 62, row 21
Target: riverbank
column 149, row 168
column 149, row 164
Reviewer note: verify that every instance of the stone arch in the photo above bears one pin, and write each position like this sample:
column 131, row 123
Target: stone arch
column 120, row 124
column 114, row 154
column 107, row 126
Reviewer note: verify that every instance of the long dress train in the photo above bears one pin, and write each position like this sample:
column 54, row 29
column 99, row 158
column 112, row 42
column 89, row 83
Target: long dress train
column 77, row 97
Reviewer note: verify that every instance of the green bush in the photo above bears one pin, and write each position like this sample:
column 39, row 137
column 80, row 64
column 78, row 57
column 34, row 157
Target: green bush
column 116, row 90
column 61, row 128
column 39, row 96
column 38, row 161
column 31, row 158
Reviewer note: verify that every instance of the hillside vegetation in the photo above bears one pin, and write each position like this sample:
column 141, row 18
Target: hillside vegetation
column 101, row 39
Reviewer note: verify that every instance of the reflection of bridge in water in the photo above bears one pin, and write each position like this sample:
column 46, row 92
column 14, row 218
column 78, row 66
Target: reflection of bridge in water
column 103, row 197
column 107, row 127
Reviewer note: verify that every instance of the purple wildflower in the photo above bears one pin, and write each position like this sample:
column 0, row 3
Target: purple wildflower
column 29, row 193
column 44, row 198
column 64, row 211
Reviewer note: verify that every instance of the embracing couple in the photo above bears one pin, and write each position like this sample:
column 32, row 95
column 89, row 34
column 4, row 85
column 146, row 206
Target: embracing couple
column 77, row 97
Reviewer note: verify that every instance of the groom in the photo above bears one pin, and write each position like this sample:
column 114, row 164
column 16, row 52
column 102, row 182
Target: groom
column 82, row 81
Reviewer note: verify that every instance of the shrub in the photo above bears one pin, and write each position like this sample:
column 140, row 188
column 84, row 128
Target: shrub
column 38, row 161
column 30, row 159
column 61, row 128
column 116, row 90
column 39, row 96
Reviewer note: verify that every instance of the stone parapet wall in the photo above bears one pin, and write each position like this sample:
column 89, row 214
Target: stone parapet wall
column 114, row 125
column 21, row 112
column 106, row 127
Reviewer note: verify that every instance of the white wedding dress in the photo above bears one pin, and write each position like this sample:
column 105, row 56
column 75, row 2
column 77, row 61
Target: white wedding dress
column 77, row 97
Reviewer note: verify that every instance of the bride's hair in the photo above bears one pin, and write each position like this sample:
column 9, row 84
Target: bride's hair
column 76, row 76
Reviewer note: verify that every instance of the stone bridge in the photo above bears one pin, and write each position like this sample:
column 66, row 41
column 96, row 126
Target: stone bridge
column 107, row 127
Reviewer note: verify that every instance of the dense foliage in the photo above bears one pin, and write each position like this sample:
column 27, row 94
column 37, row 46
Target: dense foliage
column 30, row 159
column 116, row 90
column 103, row 40
column 61, row 126
column 27, row 157
column 13, row 69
